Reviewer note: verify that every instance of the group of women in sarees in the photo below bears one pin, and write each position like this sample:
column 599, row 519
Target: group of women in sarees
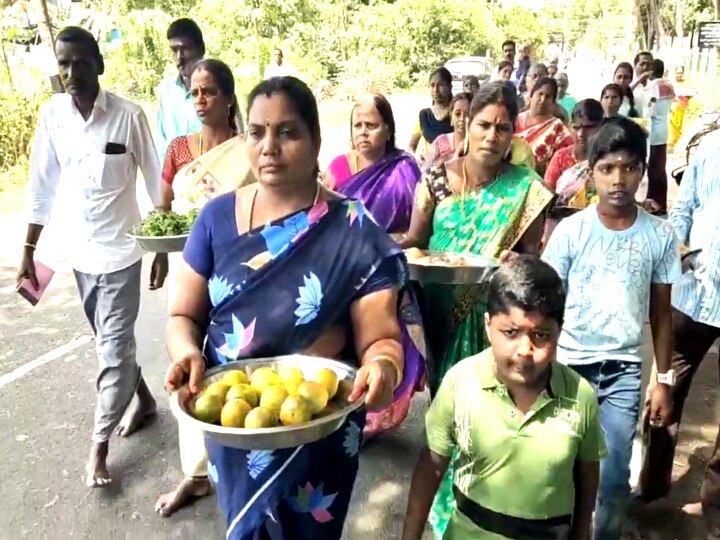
column 263, row 272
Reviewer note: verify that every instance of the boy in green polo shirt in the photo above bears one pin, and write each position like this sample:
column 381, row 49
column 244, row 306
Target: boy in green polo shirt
column 524, row 430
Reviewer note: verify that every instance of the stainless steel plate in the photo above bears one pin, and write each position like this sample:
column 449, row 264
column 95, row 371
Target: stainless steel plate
column 162, row 244
column 478, row 270
column 276, row 437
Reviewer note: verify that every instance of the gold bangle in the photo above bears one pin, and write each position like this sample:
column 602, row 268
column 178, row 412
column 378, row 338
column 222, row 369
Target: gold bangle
column 393, row 361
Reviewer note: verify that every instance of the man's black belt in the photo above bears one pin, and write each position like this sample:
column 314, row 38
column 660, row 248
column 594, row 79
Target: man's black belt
column 556, row 528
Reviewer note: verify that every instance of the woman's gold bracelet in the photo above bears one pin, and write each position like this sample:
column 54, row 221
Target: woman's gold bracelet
column 394, row 362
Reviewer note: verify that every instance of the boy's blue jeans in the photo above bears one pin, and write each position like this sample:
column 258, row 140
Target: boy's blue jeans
column 617, row 384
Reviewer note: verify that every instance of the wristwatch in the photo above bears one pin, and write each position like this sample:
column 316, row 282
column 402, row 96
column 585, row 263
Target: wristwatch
column 667, row 378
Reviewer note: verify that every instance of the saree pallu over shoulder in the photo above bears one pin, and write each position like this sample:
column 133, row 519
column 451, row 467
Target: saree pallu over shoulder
column 275, row 290
column 387, row 190
column 489, row 220
column 545, row 138
column 223, row 169
column 296, row 261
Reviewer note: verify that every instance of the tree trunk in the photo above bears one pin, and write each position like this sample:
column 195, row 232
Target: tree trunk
column 47, row 40
column 717, row 9
column 44, row 25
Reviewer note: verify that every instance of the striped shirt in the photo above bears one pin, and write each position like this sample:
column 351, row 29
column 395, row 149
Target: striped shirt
column 696, row 219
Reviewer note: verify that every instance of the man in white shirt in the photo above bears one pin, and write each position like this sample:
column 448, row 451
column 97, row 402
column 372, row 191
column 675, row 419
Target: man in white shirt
column 93, row 142
column 658, row 99
column 642, row 75
column 278, row 68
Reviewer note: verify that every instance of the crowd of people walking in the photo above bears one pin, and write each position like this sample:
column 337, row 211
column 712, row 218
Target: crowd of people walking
column 534, row 375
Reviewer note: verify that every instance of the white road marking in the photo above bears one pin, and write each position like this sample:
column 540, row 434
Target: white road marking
column 56, row 353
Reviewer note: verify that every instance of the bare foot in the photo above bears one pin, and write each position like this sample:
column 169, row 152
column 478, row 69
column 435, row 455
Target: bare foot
column 96, row 468
column 141, row 408
column 189, row 488
column 693, row 509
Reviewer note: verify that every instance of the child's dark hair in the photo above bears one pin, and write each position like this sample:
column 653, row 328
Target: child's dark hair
column 615, row 135
column 657, row 67
column 588, row 109
column 530, row 284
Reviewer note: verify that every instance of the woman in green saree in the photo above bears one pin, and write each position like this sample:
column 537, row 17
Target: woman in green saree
column 480, row 204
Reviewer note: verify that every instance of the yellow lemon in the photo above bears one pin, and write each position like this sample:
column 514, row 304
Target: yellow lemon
column 234, row 377
column 291, row 379
column 234, row 413
column 207, row 408
column 329, row 379
column 295, row 410
column 272, row 398
column 315, row 393
column 244, row 392
column 218, row 388
column 263, row 378
column 260, row 418
column 292, row 372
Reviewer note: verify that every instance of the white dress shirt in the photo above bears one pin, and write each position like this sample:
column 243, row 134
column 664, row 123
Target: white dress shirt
column 696, row 220
column 274, row 69
column 101, row 188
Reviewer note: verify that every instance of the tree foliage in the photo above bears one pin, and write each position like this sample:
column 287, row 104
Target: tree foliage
column 350, row 43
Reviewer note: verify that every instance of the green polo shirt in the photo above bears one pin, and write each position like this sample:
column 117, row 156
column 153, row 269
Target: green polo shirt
column 521, row 467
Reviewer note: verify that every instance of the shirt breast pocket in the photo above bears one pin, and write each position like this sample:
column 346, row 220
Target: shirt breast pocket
column 114, row 170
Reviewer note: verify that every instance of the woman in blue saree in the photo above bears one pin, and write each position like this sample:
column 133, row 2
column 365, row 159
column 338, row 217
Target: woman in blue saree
column 281, row 267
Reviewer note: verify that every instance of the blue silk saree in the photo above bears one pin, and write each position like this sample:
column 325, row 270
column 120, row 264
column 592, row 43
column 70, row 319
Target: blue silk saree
column 275, row 290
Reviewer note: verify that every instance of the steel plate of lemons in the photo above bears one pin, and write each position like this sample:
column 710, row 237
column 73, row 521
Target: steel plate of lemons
column 272, row 398
column 159, row 223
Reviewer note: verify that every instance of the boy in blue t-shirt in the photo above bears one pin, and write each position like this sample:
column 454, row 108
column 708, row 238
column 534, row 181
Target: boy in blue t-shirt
column 617, row 263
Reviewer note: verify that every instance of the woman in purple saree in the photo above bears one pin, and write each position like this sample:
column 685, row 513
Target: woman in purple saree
column 375, row 172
